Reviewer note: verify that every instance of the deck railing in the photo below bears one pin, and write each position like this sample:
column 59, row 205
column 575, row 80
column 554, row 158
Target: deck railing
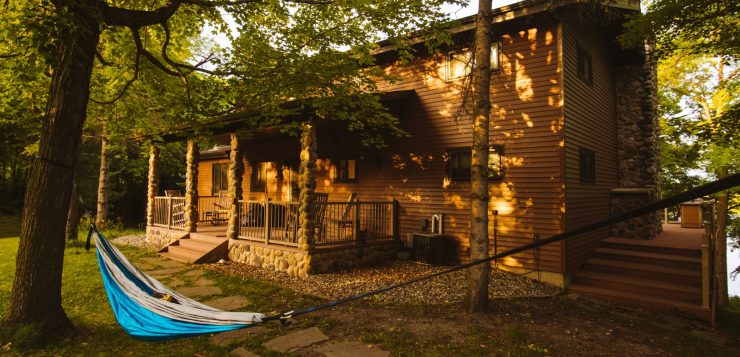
column 212, row 209
column 342, row 223
column 169, row 212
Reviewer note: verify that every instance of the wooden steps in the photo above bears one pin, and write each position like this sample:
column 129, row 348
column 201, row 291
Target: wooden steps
column 634, row 272
column 197, row 248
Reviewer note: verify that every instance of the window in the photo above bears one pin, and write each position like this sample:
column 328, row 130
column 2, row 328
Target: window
column 219, row 178
column 258, row 179
column 587, row 165
column 495, row 162
column 458, row 164
column 584, row 65
column 345, row 170
column 459, row 64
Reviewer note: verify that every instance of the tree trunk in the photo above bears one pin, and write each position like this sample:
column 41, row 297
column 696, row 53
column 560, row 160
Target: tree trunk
column 720, row 244
column 73, row 216
column 103, row 178
column 36, row 297
column 477, row 298
column 236, row 171
column 191, row 187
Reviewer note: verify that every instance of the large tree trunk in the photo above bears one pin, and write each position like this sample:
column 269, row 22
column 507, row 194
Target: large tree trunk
column 720, row 244
column 477, row 298
column 103, row 178
column 73, row 215
column 36, row 296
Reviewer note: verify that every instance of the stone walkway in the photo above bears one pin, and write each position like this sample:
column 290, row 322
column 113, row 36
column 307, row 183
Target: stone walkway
column 189, row 280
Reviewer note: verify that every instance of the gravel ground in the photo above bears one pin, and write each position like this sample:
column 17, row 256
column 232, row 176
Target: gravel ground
column 444, row 289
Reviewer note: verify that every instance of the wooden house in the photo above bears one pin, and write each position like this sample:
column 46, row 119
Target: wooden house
column 573, row 140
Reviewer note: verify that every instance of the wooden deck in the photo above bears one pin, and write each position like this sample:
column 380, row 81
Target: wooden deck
column 673, row 236
column 207, row 229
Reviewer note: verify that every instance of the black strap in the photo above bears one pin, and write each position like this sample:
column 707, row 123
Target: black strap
column 89, row 235
column 701, row 191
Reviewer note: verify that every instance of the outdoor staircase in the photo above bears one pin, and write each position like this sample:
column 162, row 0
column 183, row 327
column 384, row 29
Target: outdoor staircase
column 629, row 272
column 197, row 248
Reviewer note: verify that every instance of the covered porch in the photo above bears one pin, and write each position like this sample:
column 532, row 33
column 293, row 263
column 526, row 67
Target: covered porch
column 291, row 227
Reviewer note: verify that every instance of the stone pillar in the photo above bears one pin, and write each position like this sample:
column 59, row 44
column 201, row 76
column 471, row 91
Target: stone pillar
column 152, row 183
column 236, row 171
column 191, row 186
column 637, row 146
column 307, row 186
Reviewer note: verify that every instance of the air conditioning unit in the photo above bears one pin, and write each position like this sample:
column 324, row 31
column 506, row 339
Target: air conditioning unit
column 431, row 248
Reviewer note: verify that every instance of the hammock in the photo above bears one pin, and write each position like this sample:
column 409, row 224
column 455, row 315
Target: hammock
column 148, row 310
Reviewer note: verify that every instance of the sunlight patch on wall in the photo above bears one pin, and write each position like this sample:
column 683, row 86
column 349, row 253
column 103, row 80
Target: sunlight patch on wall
column 523, row 82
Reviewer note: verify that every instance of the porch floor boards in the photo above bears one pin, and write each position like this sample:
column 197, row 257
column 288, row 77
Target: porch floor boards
column 663, row 273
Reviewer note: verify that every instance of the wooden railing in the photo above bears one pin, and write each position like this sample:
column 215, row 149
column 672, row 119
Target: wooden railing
column 169, row 212
column 212, row 209
column 342, row 223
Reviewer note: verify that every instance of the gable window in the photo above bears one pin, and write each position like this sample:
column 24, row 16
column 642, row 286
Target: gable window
column 459, row 62
column 587, row 165
column 584, row 65
column 458, row 164
column 258, row 179
column 495, row 162
column 219, row 178
column 345, row 170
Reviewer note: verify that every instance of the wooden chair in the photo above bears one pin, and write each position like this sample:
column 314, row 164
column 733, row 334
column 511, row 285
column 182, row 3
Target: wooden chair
column 320, row 200
column 220, row 209
column 345, row 220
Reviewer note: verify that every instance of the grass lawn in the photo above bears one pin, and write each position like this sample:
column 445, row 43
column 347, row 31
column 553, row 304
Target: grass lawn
column 559, row 326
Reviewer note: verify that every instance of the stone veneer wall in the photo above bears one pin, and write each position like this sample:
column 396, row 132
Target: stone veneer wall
column 298, row 263
column 157, row 237
column 637, row 145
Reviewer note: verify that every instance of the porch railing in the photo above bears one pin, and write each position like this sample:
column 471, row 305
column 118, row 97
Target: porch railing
column 169, row 212
column 342, row 223
column 212, row 209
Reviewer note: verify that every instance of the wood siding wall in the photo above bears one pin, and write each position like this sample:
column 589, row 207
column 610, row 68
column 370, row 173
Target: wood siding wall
column 527, row 120
column 590, row 122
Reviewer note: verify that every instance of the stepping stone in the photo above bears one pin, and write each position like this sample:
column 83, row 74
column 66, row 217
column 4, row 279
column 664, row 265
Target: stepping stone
column 243, row 352
column 203, row 282
column 196, row 291
column 175, row 282
column 170, row 263
column 225, row 338
column 295, row 341
column 144, row 266
column 194, row 273
column 229, row 303
column 167, row 271
column 351, row 349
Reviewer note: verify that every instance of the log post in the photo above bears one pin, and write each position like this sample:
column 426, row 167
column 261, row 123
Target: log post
column 191, row 187
column 307, row 186
column 236, row 171
column 152, row 184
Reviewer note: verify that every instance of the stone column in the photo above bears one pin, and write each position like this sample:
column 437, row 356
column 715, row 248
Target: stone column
column 236, row 171
column 152, row 183
column 307, row 186
column 637, row 146
column 191, row 187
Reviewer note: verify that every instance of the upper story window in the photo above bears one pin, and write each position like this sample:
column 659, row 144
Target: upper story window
column 345, row 170
column 459, row 163
column 459, row 63
column 258, row 179
column 587, row 165
column 584, row 65
column 219, row 178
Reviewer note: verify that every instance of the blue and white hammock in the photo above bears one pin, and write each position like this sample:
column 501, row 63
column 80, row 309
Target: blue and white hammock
column 136, row 300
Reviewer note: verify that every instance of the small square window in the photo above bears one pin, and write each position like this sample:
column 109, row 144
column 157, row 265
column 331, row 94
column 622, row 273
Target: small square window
column 495, row 162
column 584, row 65
column 258, row 179
column 345, row 170
column 587, row 165
column 459, row 63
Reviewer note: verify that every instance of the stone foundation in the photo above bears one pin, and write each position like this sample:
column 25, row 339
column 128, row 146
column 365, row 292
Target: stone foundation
column 158, row 237
column 643, row 227
column 299, row 263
